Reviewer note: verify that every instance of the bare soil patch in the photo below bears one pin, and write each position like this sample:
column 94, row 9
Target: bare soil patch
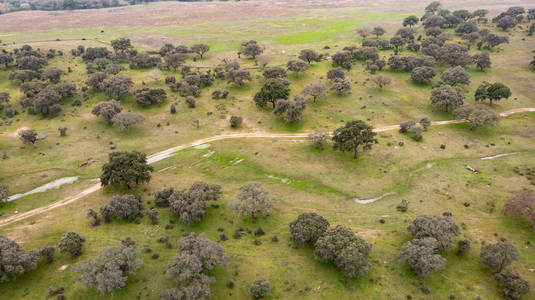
column 185, row 13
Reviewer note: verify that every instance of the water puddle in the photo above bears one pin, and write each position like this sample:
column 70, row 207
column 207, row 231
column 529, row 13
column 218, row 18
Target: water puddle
column 165, row 169
column 51, row 185
column 498, row 156
column 366, row 201
column 210, row 153
column 283, row 180
column 238, row 161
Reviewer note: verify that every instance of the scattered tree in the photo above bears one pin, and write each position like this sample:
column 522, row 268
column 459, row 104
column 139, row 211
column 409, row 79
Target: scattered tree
column 463, row 247
column 410, row 21
column 492, row 40
column 161, row 198
column 117, row 86
column 107, row 110
column 521, row 205
column 121, row 45
column 364, row 32
column 423, row 75
column 499, row 255
column 514, row 286
column 272, row 91
column 195, row 254
column 4, row 192
column 71, row 242
column 316, row 90
column 62, row 131
column 476, row 115
column 28, row 136
column 125, row 120
column 125, row 169
column 239, row 76
column 260, row 288
column 482, row 60
column 252, row 199
column 318, row 138
column 378, row 31
column 341, row 246
column 422, row 256
column 342, row 59
column 506, row 22
column 190, row 206
column 455, row 75
column 124, row 207
column 148, row 95
column 274, row 72
column 494, row 92
column 308, row 228
column 5, row 59
column 353, row 135
column 235, row 121
column 441, row 228
column 297, row 65
column 381, row 80
column 447, row 97
column 309, row 55
column 341, row 86
column 200, row 49
column 293, row 109
column 109, row 272
column 53, row 74
column 174, row 60
column 336, row 73
column 14, row 261
column 95, row 80
column 252, row 49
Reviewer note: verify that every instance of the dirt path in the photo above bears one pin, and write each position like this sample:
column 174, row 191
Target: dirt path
column 168, row 152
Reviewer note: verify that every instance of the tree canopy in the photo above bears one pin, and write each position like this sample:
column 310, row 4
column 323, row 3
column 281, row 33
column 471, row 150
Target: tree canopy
column 354, row 135
column 125, row 169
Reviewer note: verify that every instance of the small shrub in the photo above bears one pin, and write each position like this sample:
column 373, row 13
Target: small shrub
column 235, row 121
column 260, row 288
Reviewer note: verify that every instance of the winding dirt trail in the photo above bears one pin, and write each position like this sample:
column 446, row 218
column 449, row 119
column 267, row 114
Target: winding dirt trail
column 169, row 152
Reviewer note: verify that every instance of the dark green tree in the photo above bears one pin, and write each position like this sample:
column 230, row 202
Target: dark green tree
column 309, row 55
column 499, row 255
column 492, row 91
column 272, row 91
column 514, row 286
column 200, row 49
column 14, row 261
column 341, row 246
column 125, row 169
column 308, row 228
column 71, row 242
column 354, row 135
column 121, row 45
column 447, row 97
column 410, row 21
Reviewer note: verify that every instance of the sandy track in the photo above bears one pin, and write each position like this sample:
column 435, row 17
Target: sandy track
column 168, row 152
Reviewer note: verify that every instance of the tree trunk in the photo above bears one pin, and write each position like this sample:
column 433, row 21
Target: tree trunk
column 490, row 102
column 356, row 152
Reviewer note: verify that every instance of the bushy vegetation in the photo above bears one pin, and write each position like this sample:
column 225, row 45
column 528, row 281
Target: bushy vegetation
column 444, row 64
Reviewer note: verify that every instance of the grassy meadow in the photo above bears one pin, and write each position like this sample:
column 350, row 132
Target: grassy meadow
column 300, row 178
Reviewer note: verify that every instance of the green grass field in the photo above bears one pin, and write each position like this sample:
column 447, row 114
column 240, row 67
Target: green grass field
column 300, row 178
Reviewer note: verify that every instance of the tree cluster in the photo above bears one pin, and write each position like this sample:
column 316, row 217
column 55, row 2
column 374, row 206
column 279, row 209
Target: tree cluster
column 190, row 206
column 196, row 254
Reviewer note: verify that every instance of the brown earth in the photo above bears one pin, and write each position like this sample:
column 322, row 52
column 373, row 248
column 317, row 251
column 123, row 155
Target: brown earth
column 184, row 13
